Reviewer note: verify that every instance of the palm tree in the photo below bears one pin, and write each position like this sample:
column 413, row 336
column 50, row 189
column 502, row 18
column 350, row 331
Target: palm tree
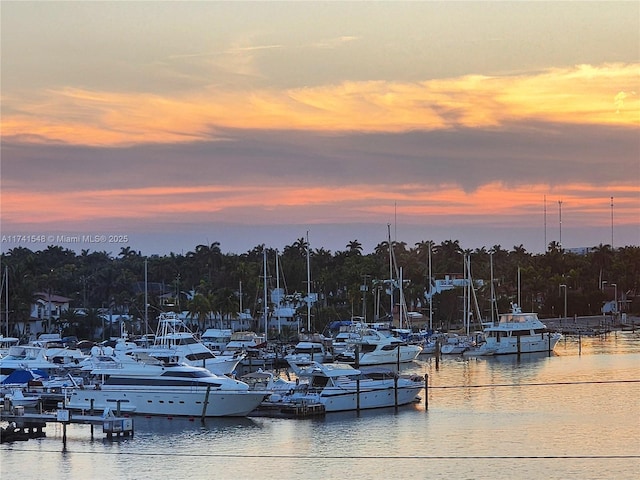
column 199, row 309
column 354, row 247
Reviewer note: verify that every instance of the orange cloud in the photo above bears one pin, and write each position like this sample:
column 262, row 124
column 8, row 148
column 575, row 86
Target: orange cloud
column 347, row 204
column 586, row 94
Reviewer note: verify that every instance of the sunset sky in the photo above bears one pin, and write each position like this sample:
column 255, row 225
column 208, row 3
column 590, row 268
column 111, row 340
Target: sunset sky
column 246, row 123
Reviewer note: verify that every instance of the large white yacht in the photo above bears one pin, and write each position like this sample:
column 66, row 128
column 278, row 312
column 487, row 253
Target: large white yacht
column 516, row 332
column 142, row 384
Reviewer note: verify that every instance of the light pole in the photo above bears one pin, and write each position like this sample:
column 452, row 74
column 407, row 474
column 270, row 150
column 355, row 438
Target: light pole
column 565, row 299
column 615, row 298
column 560, row 221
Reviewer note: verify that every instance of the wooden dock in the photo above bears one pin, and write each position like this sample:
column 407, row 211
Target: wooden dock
column 32, row 425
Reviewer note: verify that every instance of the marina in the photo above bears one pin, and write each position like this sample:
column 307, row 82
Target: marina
column 569, row 415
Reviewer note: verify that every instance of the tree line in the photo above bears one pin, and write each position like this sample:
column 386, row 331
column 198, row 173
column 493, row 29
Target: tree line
column 207, row 282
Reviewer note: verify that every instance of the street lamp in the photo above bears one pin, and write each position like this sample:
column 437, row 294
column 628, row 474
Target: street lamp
column 565, row 299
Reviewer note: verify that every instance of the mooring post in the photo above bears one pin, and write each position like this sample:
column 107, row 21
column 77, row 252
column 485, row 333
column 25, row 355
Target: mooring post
column 357, row 365
column 437, row 354
column 426, row 391
column 579, row 343
column 395, row 389
column 206, row 402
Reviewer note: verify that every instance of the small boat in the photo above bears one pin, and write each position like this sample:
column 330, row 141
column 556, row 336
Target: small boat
column 340, row 387
column 307, row 352
column 18, row 399
column 376, row 348
column 51, row 358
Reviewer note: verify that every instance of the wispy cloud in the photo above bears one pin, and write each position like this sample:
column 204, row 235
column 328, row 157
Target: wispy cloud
column 335, row 42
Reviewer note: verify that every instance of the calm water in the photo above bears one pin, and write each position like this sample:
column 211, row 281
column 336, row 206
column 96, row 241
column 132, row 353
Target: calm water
column 573, row 415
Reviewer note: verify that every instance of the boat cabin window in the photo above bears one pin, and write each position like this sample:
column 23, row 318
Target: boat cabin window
column 199, row 356
column 391, row 346
column 319, row 382
column 517, row 318
column 189, row 374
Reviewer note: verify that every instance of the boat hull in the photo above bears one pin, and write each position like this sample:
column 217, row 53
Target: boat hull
column 188, row 402
column 344, row 398
column 511, row 346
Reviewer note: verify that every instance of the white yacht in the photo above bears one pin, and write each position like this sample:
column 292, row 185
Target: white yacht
column 376, row 348
column 516, row 332
column 315, row 348
column 173, row 338
column 141, row 384
column 340, row 387
column 216, row 339
column 52, row 359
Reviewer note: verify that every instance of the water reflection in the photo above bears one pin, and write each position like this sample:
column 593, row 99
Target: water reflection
column 570, row 415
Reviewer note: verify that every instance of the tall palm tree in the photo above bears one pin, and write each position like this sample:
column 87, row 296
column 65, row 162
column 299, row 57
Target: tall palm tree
column 199, row 309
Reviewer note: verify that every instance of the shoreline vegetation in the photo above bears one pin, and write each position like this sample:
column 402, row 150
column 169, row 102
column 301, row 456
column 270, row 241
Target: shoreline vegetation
column 209, row 284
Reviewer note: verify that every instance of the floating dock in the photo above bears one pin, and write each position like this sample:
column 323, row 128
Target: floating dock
column 288, row 410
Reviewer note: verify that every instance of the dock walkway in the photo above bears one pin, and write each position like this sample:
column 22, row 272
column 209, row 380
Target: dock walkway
column 32, row 425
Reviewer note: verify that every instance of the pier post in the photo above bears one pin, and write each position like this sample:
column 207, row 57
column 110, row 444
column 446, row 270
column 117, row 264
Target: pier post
column 206, row 403
column 357, row 366
column 437, row 354
column 426, row 391
column 579, row 343
column 395, row 389
column 398, row 358
column 518, row 344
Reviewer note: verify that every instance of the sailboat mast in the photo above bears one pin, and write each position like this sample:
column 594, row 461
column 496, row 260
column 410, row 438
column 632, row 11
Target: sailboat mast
column 146, row 297
column 390, row 272
column 493, row 294
column 519, row 304
column 6, row 299
column 430, row 292
column 278, row 290
column 308, row 287
column 265, row 308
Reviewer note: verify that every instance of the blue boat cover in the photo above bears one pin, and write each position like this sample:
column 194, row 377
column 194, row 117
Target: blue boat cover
column 23, row 376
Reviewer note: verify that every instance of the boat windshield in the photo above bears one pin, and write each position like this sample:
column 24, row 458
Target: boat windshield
column 518, row 318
